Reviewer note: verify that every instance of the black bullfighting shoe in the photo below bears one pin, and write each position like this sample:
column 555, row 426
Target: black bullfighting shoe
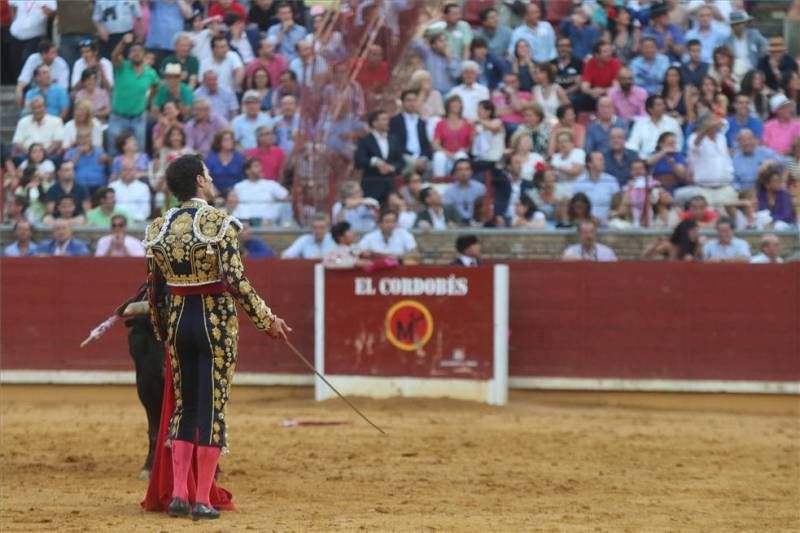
column 178, row 507
column 201, row 511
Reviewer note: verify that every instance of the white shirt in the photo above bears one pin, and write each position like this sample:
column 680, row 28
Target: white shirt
column 201, row 46
column 710, row 162
column 400, row 242
column 133, row 198
column 59, row 70
column 225, row 69
column 243, row 46
column 559, row 162
column 470, row 96
column 383, row 145
column 762, row 259
column 467, row 261
column 132, row 245
column 29, row 131
column 71, row 134
column 412, row 137
column 80, row 66
column 260, row 199
column 645, row 133
column 714, row 250
column 600, row 252
column 31, row 20
column 305, row 247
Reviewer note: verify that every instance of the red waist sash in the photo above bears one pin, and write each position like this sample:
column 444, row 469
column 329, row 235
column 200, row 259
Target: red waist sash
column 211, row 288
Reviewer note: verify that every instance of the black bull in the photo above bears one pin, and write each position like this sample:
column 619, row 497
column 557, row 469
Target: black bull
column 148, row 359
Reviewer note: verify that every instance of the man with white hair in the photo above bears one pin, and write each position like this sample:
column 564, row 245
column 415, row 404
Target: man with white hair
column 245, row 125
column 39, row 127
column 307, row 66
column 710, row 164
column 471, row 92
column 770, row 250
column 190, row 65
column 202, row 127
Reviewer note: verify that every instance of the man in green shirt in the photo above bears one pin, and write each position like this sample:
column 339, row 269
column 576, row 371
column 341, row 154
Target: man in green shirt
column 134, row 82
column 190, row 66
column 172, row 89
column 101, row 215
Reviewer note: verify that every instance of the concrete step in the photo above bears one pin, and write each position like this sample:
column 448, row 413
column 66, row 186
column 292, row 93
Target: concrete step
column 9, row 113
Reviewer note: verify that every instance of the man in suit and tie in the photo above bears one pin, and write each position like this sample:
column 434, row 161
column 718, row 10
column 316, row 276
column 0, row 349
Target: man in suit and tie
column 379, row 156
column 409, row 129
column 469, row 251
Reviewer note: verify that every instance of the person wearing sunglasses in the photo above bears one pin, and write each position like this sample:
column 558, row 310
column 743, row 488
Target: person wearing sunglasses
column 118, row 243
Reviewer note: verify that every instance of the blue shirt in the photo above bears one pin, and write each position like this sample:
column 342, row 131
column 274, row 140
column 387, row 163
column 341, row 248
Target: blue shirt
column 734, row 127
column 225, row 176
column 244, row 129
column 56, row 99
column 542, row 41
column 745, row 167
column 223, row 102
column 89, row 172
column 286, row 45
column 599, row 192
column 166, row 20
column 716, row 36
column 650, row 75
column 582, row 39
column 498, row 41
column 597, row 136
column 463, row 198
column 305, row 247
column 620, row 169
column 284, row 132
column 444, row 72
column 257, row 249
column 660, row 36
column 12, row 250
column 694, row 76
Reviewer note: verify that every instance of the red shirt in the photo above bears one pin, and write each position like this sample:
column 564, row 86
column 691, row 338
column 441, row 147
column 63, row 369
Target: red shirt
column 601, row 74
column 217, row 9
column 373, row 78
column 709, row 216
column 271, row 160
column 454, row 140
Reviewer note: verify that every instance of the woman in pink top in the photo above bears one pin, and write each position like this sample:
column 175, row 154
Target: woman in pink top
column 451, row 138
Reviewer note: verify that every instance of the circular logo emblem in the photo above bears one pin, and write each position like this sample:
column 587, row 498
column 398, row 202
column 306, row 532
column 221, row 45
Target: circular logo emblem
column 409, row 325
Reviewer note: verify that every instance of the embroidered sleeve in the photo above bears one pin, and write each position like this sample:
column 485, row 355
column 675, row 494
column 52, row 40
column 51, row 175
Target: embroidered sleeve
column 157, row 298
column 239, row 286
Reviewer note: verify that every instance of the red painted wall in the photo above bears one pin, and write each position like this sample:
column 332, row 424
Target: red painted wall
column 626, row 320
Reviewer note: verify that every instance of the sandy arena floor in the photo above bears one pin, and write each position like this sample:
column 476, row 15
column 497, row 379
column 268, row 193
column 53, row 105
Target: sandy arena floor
column 548, row 462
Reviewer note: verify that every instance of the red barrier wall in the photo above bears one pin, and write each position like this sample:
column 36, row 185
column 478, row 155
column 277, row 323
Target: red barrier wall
column 624, row 320
column 50, row 305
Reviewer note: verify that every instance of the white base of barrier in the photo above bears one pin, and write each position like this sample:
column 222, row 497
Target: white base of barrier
column 392, row 387
column 428, row 387
column 656, row 385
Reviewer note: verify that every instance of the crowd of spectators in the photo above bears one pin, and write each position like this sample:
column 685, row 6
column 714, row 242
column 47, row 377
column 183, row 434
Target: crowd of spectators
column 674, row 115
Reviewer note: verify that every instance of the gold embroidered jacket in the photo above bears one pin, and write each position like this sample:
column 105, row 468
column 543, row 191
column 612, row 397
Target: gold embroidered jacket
column 194, row 245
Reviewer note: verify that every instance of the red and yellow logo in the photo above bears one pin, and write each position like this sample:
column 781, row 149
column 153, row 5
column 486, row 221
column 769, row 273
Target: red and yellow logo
column 409, row 325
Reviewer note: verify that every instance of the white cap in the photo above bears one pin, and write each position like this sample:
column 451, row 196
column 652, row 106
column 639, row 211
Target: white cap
column 778, row 101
